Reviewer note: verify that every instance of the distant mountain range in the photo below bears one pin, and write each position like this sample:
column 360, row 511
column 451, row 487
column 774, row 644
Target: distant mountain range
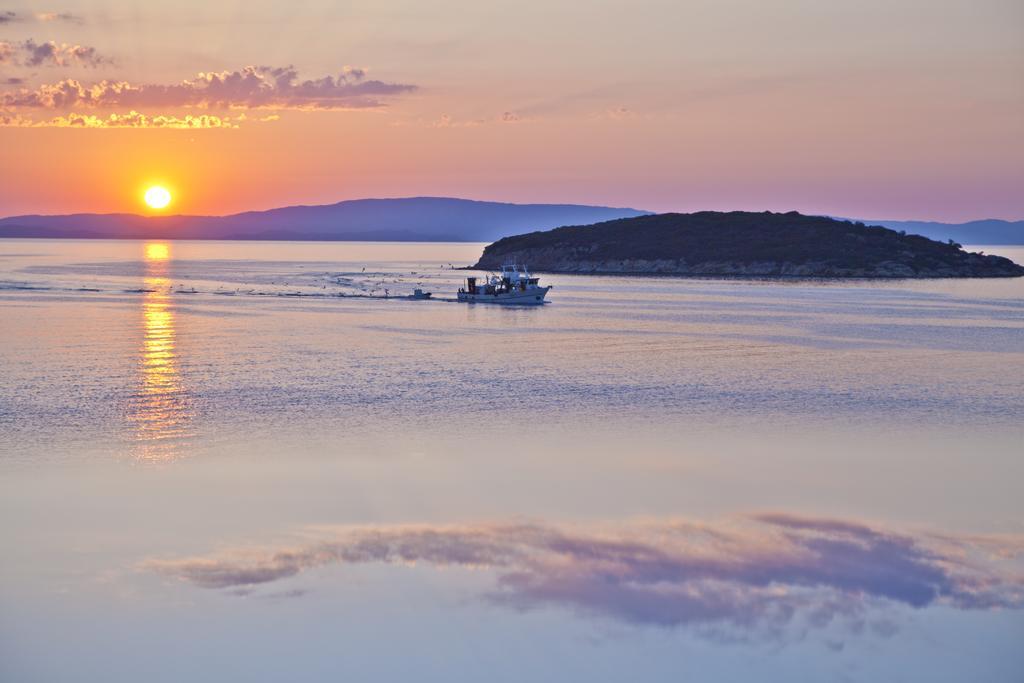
column 989, row 231
column 433, row 219
column 430, row 219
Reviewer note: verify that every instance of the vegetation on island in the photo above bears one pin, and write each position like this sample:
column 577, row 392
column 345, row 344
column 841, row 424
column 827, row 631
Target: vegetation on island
column 742, row 243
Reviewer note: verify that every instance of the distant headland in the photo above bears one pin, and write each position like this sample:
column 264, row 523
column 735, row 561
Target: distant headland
column 406, row 219
column 743, row 243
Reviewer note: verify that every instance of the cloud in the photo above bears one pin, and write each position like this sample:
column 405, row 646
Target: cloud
column 619, row 113
column 58, row 16
column 50, row 53
column 253, row 87
column 757, row 572
column 132, row 119
column 448, row 121
column 10, row 17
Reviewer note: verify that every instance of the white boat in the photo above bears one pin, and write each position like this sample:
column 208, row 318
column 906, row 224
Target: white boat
column 514, row 286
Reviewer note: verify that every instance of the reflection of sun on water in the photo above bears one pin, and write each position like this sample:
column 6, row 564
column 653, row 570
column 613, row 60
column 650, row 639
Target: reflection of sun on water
column 160, row 408
column 157, row 251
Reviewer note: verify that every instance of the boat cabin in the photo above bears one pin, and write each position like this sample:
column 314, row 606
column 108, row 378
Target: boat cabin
column 513, row 278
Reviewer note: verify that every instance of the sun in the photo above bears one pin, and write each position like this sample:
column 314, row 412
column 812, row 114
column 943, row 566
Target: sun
column 157, row 197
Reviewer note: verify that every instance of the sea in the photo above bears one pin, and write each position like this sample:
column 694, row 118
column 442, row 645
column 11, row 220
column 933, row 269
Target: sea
column 261, row 461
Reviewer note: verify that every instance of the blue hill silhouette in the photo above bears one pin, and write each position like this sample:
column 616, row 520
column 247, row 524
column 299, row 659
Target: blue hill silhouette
column 405, row 219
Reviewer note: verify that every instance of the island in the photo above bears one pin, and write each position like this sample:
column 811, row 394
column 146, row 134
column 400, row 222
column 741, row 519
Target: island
column 741, row 243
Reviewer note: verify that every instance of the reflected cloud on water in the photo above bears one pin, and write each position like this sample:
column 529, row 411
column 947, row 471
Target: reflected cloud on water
column 752, row 574
column 160, row 409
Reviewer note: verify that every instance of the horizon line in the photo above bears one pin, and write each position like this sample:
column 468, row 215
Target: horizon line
column 485, row 201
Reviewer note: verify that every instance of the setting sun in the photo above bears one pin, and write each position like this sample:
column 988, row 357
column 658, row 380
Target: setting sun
column 157, row 197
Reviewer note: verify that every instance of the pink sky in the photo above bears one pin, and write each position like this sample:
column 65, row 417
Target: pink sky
column 866, row 109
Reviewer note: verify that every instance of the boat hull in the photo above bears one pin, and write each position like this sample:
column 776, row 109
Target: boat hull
column 531, row 297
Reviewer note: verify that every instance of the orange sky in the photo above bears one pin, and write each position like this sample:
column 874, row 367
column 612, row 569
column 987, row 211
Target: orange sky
column 875, row 110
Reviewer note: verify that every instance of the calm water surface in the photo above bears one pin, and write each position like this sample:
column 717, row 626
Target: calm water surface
column 237, row 461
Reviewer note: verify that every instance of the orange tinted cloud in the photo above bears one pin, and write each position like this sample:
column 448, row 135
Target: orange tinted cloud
column 58, row 16
column 132, row 119
column 248, row 88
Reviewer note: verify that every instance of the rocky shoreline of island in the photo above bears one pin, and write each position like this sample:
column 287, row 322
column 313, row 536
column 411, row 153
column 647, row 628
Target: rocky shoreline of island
column 743, row 244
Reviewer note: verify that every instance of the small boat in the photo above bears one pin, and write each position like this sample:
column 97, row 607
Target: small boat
column 514, row 286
